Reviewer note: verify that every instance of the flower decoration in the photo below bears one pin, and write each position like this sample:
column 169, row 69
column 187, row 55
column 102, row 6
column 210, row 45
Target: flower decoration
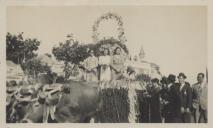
column 109, row 16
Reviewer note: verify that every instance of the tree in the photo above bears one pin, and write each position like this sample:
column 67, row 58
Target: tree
column 71, row 52
column 19, row 49
column 34, row 66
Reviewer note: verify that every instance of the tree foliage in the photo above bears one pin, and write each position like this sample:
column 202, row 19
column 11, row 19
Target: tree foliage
column 71, row 51
column 19, row 49
column 74, row 52
column 70, row 70
column 34, row 67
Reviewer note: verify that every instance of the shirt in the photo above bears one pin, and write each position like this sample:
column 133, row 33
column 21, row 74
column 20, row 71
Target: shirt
column 181, row 86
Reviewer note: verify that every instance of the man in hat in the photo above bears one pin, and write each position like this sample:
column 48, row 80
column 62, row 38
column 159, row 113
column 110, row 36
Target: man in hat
column 23, row 94
column 50, row 95
column 11, row 91
column 164, row 97
column 182, row 99
column 199, row 99
column 155, row 115
column 168, row 99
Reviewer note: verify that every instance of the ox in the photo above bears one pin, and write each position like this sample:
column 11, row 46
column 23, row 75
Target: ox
column 77, row 106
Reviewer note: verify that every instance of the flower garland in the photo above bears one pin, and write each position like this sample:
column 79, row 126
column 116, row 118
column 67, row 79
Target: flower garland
column 109, row 16
column 120, row 101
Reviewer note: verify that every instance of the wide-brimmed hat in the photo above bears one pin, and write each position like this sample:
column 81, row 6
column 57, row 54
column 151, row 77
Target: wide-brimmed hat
column 11, row 83
column 26, row 92
column 11, row 87
column 182, row 74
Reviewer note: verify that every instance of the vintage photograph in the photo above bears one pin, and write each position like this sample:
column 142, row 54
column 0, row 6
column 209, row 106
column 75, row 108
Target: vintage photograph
column 106, row 64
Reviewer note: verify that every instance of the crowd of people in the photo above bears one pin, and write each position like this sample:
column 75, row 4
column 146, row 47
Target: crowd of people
column 46, row 92
column 164, row 100
column 175, row 102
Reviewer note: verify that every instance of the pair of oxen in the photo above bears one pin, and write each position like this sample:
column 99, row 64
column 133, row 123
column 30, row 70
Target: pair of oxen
column 79, row 105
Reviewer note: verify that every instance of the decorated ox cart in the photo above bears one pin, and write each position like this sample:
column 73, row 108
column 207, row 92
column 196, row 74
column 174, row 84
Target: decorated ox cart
column 120, row 101
column 121, row 97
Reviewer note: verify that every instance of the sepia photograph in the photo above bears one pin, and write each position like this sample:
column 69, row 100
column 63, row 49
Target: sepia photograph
column 106, row 64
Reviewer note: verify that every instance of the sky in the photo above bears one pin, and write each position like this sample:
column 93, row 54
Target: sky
column 174, row 37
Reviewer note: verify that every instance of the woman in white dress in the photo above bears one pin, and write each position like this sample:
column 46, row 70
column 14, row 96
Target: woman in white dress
column 90, row 67
column 104, row 63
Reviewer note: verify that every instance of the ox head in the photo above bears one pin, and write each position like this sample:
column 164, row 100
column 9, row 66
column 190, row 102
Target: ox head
column 29, row 111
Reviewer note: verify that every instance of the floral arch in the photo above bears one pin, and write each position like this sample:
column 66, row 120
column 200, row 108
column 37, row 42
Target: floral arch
column 109, row 16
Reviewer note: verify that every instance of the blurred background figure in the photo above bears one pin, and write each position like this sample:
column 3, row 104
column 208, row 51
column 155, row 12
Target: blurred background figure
column 104, row 63
column 155, row 114
column 168, row 100
column 164, row 96
column 184, row 92
column 117, row 64
column 199, row 100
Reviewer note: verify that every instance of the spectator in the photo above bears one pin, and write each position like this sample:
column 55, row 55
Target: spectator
column 90, row 65
column 182, row 96
column 155, row 115
column 104, row 63
column 199, row 100
column 117, row 64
